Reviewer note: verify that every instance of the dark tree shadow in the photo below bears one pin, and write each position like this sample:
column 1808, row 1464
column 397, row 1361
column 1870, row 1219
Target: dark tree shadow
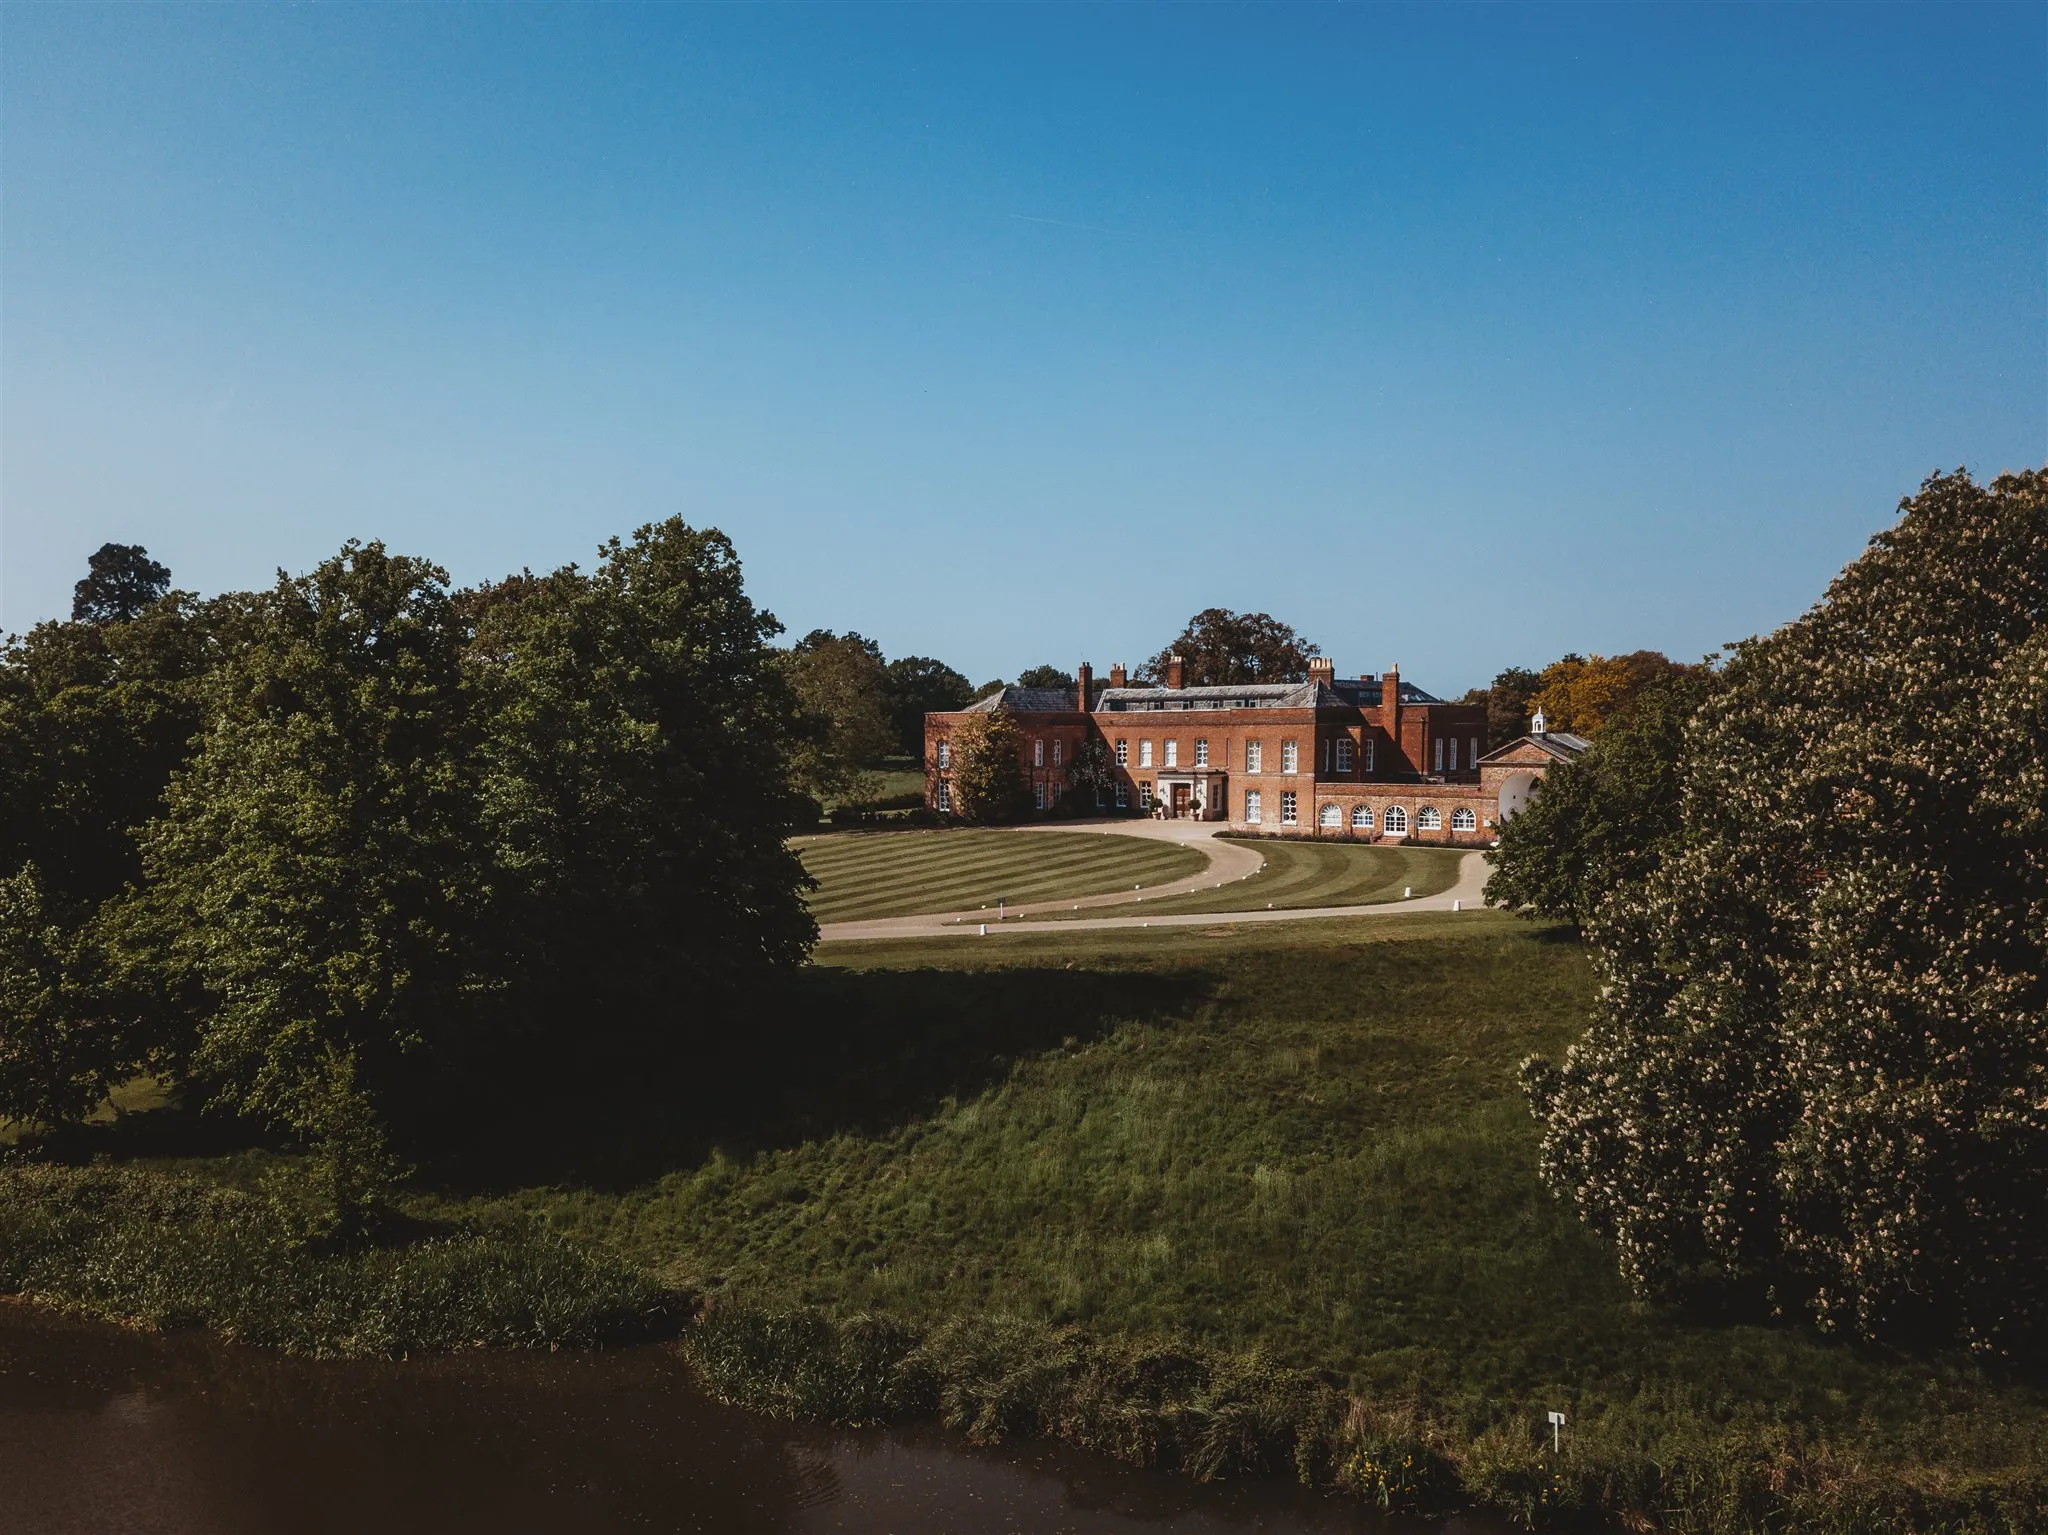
column 809, row 1055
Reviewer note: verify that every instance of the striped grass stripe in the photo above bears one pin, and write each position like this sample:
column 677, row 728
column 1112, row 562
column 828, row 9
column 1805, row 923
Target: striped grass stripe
column 895, row 874
column 1300, row 875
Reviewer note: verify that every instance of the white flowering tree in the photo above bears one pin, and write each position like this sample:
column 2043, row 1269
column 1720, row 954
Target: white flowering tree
column 1819, row 1073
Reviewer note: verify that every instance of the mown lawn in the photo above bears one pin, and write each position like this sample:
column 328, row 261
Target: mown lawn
column 1301, row 875
column 902, row 873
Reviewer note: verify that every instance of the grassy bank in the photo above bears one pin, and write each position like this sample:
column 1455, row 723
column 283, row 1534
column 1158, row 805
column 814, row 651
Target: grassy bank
column 159, row 1249
column 895, row 874
column 1284, row 1218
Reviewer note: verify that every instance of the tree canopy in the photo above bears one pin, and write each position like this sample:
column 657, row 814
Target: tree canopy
column 1219, row 647
column 359, row 835
column 1818, row 1078
column 120, row 581
column 989, row 787
column 919, row 685
column 1044, row 677
column 843, row 688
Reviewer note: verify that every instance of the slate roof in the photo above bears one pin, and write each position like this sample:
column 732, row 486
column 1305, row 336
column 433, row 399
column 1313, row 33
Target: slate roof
column 1352, row 692
column 1560, row 744
column 1013, row 700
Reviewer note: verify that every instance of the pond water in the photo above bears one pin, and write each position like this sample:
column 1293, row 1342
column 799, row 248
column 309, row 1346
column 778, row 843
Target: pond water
column 105, row 1431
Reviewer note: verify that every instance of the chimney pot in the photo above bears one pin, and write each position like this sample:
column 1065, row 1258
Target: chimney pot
column 1117, row 676
column 1175, row 670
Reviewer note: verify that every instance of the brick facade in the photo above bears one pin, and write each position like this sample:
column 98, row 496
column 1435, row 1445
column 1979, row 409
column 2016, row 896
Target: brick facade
column 1334, row 758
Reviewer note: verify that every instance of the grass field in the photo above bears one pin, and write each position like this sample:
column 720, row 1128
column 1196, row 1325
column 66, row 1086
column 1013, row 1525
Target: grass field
column 1300, row 875
column 1303, row 1141
column 895, row 874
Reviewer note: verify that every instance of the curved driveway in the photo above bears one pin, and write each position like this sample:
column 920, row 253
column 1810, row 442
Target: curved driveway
column 1228, row 861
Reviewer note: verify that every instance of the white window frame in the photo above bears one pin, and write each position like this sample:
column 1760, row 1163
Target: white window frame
column 1038, row 754
column 1123, row 795
column 1201, row 751
column 1144, row 754
column 1123, row 754
column 1173, row 753
column 1290, row 808
column 1454, row 754
column 1254, row 756
column 1038, row 795
column 1290, row 757
column 1394, row 821
column 945, row 755
column 1361, row 818
column 1429, row 818
column 1439, row 755
column 1254, row 804
column 1145, row 796
column 1056, row 745
column 1368, row 754
column 1462, row 819
column 1475, row 752
column 1343, row 750
column 942, row 797
column 1330, row 814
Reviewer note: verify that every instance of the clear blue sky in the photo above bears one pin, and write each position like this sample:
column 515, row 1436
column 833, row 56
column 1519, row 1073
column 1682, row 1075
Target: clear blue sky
column 1456, row 336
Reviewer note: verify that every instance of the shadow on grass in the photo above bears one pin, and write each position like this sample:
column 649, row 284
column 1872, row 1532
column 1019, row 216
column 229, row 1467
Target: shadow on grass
column 818, row 1053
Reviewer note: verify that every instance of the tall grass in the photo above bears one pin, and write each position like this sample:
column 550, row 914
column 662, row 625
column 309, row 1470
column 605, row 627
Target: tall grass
column 153, row 1249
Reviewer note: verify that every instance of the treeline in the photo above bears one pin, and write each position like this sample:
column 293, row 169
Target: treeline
column 1817, row 884
column 339, row 854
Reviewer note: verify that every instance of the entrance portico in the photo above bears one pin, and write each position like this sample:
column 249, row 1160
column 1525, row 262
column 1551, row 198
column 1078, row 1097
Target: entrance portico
column 1194, row 796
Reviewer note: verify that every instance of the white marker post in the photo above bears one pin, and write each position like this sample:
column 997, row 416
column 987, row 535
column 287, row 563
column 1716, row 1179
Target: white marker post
column 1556, row 1432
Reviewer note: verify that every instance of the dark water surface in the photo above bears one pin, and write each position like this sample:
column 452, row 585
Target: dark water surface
column 107, row 1432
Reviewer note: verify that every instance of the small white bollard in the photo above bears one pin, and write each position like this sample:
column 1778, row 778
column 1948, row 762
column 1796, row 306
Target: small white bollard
column 984, row 930
column 1407, row 892
column 1556, row 1432
column 1457, row 906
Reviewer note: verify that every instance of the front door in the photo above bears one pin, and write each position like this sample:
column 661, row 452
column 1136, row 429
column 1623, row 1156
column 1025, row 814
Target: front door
column 1181, row 795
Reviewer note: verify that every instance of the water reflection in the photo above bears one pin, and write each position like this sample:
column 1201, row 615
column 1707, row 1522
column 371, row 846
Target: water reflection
column 105, row 1431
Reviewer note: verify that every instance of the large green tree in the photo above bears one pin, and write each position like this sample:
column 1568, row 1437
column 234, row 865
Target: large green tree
column 989, row 786
column 120, row 581
column 1219, row 647
column 1819, row 1073
column 531, row 836
column 311, row 886
column 635, row 737
column 843, row 688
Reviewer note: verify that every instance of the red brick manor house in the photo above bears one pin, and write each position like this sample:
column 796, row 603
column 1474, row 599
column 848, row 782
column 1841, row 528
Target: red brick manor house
column 1371, row 758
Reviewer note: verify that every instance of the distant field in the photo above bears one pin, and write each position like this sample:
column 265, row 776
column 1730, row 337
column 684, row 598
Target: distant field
column 1299, row 875
column 899, row 874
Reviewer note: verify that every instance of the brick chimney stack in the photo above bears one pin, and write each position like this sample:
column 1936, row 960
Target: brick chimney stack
column 1390, row 705
column 1085, row 681
column 1118, row 677
column 1322, row 669
column 1175, row 670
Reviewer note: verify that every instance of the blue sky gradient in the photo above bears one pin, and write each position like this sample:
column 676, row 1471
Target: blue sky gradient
column 1458, row 336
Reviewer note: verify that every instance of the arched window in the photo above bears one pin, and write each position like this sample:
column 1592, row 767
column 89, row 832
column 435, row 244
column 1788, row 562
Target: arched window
column 1395, row 821
column 1361, row 818
column 1464, row 820
column 1330, row 816
column 1428, row 818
